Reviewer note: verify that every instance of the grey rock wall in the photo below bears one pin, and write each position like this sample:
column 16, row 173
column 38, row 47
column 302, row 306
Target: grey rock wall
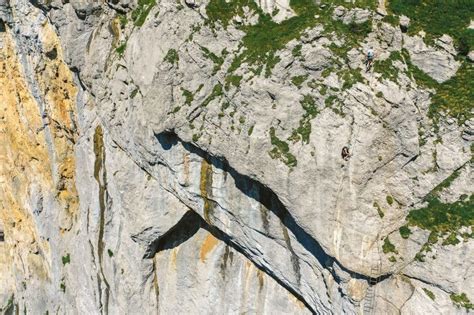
column 196, row 195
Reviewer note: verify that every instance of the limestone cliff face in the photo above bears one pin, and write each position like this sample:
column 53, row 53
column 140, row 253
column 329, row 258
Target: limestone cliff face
column 167, row 156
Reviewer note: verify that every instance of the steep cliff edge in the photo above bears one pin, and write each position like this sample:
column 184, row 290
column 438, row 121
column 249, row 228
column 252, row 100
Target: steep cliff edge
column 167, row 156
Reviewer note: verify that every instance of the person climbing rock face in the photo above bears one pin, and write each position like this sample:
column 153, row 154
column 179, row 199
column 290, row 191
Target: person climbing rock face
column 370, row 58
column 345, row 153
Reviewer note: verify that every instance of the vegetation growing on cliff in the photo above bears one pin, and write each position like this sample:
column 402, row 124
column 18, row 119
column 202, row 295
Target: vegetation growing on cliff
column 172, row 56
column 140, row 14
column 263, row 39
column 461, row 300
column 453, row 96
column 66, row 259
column 438, row 17
column 281, row 150
column 304, row 129
column 443, row 218
column 388, row 247
column 429, row 294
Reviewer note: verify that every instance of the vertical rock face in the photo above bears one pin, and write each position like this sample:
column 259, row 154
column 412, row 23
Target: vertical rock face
column 187, row 157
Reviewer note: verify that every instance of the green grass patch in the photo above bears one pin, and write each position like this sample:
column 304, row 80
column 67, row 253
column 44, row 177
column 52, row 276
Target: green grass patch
column 172, row 56
column 121, row 49
column 217, row 91
column 388, row 247
column 445, row 183
column 303, row 131
column 429, row 294
column 438, row 17
column 299, row 80
column 141, row 12
column 232, row 80
column 196, row 137
column 350, row 77
column 392, row 19
column 296, row 52
column 390, row 200
column 329, row 101
column 218, row 61
column 404, row 231
column 66, row 259
column 443, row 218
column 188, row 96
column 453, row 96
column 281, row 150
column 250, row 131
column 122, row 20
column 379, row 209
column 451, row 240
column 134, row 93
column 262, row 40
column 386, row 67
column 461, row 300
column 176, row 109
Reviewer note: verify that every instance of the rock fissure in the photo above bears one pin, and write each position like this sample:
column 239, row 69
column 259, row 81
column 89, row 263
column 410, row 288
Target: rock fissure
column 101, row 177
column 188, row 226
column 271, row 202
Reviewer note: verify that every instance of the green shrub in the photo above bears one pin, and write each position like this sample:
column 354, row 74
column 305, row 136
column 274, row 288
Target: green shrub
column 296, row 52
column 298, row 80
column 350, row 77
column 451, row 240
column 140, row 14
column 462, row 300
column 429, row 294
column 121, row 49
column 172, row 56
column 390, row 200
column 188, row 96
column 218, row 61
column 250, row 130
column 453, row 96
column 440, row 217
column 386, row 67
column 379, row 209
column 216, row 92
column 438, row 17
column 304, row 129
column 281, row 150
column 404, row 231
column 232, row 80
column 388, row 247
column 134, row 93
column 262, row 40
column 66, row 259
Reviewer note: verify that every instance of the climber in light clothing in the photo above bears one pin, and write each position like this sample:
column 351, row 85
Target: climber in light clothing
column 370, row 58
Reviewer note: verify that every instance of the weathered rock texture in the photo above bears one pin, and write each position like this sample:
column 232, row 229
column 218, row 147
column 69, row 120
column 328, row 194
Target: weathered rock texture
column 142, row 171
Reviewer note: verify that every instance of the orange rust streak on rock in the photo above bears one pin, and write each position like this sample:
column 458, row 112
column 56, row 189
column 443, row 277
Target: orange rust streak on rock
column 24, row 160
column 57, row 86
column 207, row 246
